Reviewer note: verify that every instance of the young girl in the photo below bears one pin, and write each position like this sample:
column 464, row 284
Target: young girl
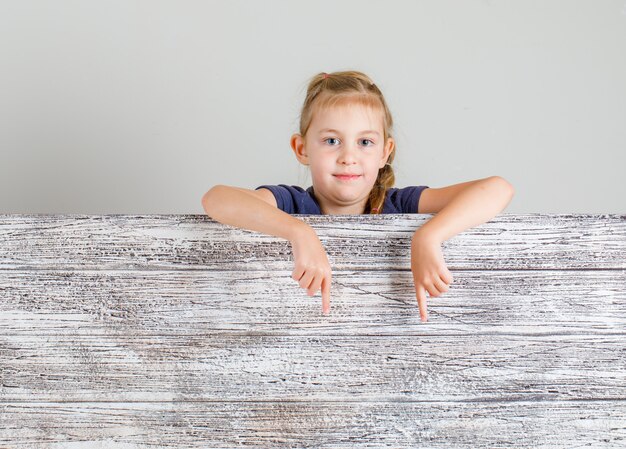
column 346, row 139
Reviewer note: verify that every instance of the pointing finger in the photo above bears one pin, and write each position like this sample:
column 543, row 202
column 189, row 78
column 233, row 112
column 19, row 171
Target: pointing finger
column 421, row 302
column 326, row 295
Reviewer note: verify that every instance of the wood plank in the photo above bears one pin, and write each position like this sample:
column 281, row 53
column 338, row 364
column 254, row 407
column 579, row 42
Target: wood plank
column 203, row 325
column 175, row 242
column 322, row 368
column 139, row 303
column 554, row 424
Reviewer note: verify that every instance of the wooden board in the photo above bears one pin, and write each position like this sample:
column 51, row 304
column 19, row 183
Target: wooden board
column 357, row 423
column 175, row 331
column 174, row 242
column 377, row 302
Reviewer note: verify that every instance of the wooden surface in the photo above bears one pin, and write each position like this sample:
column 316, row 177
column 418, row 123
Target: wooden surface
column 123, row 331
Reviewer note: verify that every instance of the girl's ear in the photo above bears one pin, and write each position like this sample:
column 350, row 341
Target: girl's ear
column 389, row 148
column 297, row 144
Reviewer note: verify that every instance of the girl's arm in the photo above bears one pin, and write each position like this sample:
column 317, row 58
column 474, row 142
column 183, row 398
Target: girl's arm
column 256, row 210
column 457, row 209
column 475, row 203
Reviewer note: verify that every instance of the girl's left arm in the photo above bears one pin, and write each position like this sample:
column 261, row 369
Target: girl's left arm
column 458, row 208
column 476, row 203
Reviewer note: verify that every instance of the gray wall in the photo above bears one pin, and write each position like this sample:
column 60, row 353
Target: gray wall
column 141, row 106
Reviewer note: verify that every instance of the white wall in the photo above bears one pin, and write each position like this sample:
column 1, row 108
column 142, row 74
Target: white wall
column 141, row 106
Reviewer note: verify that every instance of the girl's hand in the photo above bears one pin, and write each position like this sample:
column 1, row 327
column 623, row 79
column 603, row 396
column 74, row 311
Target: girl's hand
column 430, row 272
column 312, row 269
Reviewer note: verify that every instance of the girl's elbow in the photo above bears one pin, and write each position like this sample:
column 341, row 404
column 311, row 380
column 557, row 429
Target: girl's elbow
column 209, row 198
column 510, row 187
column 212, row 191
column 505, row 185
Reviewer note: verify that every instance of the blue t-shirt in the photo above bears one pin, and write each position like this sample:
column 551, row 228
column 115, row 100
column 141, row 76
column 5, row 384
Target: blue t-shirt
column 296, row 200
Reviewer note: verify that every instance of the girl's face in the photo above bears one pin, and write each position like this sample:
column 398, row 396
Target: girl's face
column 344, row 148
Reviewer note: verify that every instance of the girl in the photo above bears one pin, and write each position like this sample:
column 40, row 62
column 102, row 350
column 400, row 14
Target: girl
column 346, row 139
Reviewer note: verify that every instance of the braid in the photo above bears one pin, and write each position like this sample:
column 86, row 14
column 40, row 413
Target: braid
column 385, row 180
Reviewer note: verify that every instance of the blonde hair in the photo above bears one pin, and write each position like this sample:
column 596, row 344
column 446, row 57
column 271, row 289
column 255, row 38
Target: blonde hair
column 331, row 89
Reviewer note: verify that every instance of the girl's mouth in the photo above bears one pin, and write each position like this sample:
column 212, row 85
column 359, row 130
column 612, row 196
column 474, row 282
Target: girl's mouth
column 347, row 177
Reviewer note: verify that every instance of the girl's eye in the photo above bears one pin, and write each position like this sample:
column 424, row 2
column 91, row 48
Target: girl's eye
column 364, row 142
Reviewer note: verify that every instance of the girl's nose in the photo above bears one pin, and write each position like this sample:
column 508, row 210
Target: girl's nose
column 347, row 155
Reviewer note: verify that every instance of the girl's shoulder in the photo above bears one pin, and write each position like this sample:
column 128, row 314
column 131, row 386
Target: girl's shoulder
column 294, row 199
column 404, row 200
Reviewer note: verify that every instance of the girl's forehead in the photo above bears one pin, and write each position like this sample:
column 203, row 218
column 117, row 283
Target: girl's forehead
column 348, row 113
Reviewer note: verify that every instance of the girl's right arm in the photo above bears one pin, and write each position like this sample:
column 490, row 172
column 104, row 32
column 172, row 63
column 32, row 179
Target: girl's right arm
column 256, row 210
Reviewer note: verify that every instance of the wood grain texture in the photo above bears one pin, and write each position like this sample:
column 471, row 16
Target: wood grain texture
column 271, row 303
column 357, row 423
column 273, row 368
column 131, row 331
column 172, row 242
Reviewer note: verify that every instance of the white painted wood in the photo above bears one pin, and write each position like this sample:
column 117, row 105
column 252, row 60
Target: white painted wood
column 177, row 331
column 484, row 302
column 333, row 424
column 174, row 242
column 339, row 368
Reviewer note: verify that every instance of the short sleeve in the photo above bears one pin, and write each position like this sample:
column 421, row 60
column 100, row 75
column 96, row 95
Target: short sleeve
column 406, row 200
column 293, row 199
column 283, row 197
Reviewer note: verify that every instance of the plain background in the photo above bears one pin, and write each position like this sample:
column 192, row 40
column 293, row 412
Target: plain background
column 139, row 107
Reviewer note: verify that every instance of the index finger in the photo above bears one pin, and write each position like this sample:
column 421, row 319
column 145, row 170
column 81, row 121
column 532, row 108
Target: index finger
column 326, row 295
column 421, row 301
